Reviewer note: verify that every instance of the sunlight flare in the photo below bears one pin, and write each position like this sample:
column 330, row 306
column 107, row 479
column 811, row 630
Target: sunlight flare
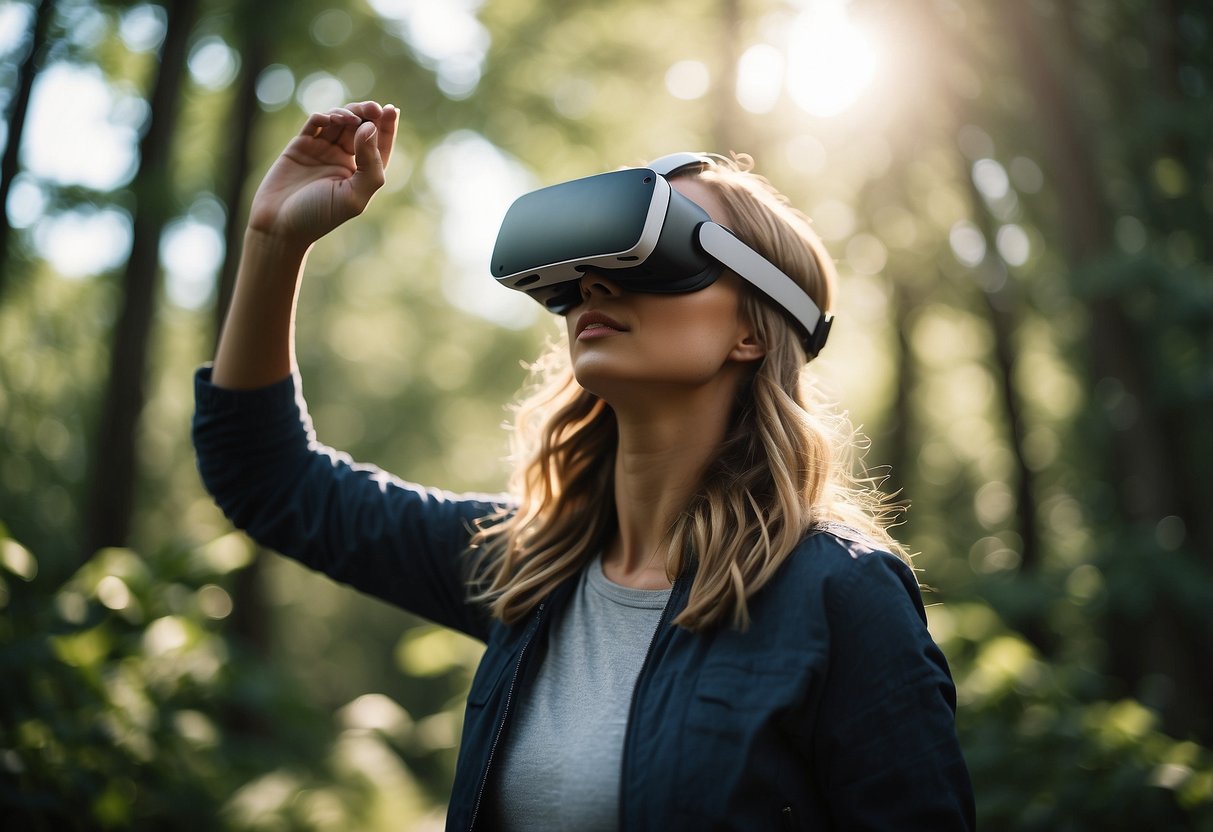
column 831, row 61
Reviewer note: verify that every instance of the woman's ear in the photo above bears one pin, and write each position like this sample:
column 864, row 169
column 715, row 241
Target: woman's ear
column 748, row 348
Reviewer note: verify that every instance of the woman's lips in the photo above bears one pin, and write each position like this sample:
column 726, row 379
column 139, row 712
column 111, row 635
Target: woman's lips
column 597, row 325
column 597, row 331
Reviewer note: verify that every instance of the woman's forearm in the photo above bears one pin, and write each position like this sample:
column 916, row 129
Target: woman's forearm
column 326, row 175
column 256, row 347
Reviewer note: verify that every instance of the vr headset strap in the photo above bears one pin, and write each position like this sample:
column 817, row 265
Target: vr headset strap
column 752, row 267
column 667, row 165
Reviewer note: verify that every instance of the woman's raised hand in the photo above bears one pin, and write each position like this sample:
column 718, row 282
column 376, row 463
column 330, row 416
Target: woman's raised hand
column 327, row 174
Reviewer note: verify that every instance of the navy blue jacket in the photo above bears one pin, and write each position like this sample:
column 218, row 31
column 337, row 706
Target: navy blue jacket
column 834, row 710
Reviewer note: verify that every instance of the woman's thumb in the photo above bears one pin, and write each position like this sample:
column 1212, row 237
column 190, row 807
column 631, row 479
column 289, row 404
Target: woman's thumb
column 368, row 177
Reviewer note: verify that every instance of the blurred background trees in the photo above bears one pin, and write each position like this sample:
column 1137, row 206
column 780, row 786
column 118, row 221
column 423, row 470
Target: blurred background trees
column 1020, row 200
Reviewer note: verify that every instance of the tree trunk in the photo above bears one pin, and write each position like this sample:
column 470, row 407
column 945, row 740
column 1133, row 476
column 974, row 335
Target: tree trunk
column 1139, row 460
column 114, row 471
column 900, row 431
column 1000, row 305
column 249, row 621
column 244, row 116
column 19, row 109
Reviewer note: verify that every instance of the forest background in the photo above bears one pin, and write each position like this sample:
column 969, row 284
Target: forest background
column 1019, row 196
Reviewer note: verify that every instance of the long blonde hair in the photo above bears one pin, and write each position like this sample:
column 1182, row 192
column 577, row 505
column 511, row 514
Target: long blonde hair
column 786, row 462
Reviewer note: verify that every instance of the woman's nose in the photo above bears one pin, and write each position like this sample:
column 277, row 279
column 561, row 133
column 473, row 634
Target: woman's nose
column 596, row 283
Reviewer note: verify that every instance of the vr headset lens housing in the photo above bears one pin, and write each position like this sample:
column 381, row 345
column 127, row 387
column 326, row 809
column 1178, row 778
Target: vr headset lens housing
column 629, row 222
column 647, row 236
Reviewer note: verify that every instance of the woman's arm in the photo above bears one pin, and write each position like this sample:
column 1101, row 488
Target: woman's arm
column 887, row 733
column 326, row 175
column 408, row 545
column 257, row 453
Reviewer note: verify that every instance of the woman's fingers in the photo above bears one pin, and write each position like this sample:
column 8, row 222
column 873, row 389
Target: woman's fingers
column 332, row 127
column 371, row 145
column 314, row 124
column 365, row 110
column 385, row 119
column 369, row 163
column 357, row 138
column 339, row 126
column 327, row 125
column 389, row 121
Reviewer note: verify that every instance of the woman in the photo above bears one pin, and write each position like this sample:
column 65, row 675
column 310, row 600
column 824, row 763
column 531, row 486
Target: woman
column 693, row 619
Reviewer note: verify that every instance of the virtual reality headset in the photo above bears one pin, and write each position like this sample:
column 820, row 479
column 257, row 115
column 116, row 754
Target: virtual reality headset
column 634, row 227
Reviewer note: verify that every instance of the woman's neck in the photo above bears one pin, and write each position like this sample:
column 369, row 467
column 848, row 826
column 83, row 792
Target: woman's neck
column 661, row 457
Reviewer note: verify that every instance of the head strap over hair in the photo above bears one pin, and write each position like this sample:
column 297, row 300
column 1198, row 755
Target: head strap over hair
column 673, row 163
column 723, row 245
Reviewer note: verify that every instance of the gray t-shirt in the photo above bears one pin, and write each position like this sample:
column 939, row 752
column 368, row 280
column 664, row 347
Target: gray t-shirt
column 560, row 758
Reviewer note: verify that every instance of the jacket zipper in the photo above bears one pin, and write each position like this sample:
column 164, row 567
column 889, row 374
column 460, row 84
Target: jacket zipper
column 505, row 714
column 627, row 737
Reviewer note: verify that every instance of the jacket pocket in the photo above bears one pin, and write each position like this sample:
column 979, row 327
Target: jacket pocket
column 729, row 689
column 733, row 740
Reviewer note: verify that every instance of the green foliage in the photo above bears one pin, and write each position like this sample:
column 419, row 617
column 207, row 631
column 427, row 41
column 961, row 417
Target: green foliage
column 1020, row 216
column 127, row 707
column 1046, row 755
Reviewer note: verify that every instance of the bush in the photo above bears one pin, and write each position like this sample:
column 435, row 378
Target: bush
column 1043, row 758
column 125, row 706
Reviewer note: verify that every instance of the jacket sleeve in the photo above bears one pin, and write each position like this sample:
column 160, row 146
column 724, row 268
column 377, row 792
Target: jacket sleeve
column 887, row 741
column 258, row 457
